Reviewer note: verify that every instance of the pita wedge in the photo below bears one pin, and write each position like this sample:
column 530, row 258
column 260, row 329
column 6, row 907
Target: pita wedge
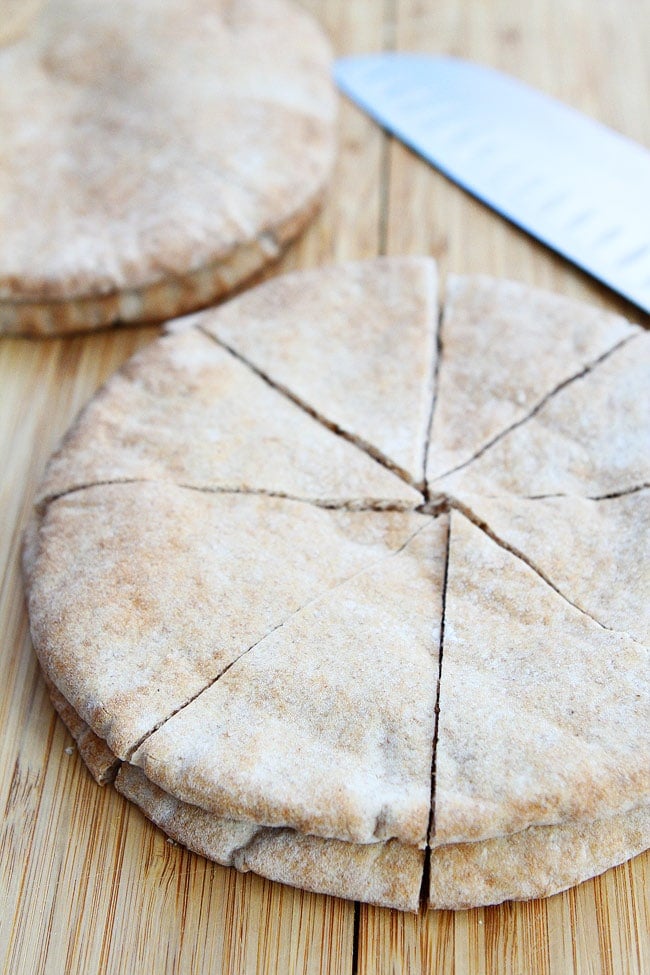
column 142, row 594
column 596, row 553
column 155, row 155
column 306, row 664
column 544, row 714
column 186, row 411
column 272, row 741
column 506, row 347
column 370, row 371
column 590, row 438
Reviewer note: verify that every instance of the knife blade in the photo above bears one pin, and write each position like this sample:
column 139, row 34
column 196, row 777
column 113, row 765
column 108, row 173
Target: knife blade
column 571, row 182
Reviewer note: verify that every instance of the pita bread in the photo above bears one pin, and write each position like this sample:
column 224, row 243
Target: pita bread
column 385, row 873
column 562, row 536
column 506, row 346
column 273, row 663
column 126, row 582
column 533, row 863
column 542, row 711
column 388, row 874
column 589, row 439
column 370, row 372
column 139, row 193
column 272, row 742
column 184, row 410
column 536, row 862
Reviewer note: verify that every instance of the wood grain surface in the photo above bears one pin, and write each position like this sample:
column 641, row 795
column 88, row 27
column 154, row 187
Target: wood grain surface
column 86, row 883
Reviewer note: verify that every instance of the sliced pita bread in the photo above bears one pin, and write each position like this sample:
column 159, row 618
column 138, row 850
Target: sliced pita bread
column 597, row 553
column 355, row 342
column 272, row 740
column 185, row 410
column 141, row 594
column 544, row 715
column 589, row 439
column 505, row 346
column 536, row 862
column 533, row 863
column 274, row 663
column 388, row 874
column 155, row 155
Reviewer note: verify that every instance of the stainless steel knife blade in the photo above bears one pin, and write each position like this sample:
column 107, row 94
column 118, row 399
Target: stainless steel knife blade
column 574, row 184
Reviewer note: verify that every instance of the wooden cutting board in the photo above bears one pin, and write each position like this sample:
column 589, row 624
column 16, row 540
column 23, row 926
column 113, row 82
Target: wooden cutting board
column 86, row 884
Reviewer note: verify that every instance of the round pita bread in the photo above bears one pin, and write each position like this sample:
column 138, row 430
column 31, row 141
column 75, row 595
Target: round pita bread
column 240, row 587
column 154, row 155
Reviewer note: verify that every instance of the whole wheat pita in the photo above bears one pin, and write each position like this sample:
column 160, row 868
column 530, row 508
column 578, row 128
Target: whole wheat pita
column 272, row 740
column 150, row 598
column 506, row 347
column 537, row 862
column 370, row 373
column 534, row 863
column 387, row 873
column 185, row 411
column 155, row 155
column 137, row 591
column 589, row 439
column 596, row 553
column 544, row 714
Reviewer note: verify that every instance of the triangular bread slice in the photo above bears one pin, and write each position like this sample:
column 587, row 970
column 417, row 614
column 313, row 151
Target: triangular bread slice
column 597, row 553
column 327, row 724
column 590, row 438
column 184, row 410
column 505, row 346
column 544, row 715
column 141, row 594
column 356, row 343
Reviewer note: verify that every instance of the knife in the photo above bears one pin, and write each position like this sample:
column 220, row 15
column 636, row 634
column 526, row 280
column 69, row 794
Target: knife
column 577, row 186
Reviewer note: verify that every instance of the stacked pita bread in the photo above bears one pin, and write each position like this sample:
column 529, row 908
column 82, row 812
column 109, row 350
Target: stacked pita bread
column 153, row 154
column 349, row 600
